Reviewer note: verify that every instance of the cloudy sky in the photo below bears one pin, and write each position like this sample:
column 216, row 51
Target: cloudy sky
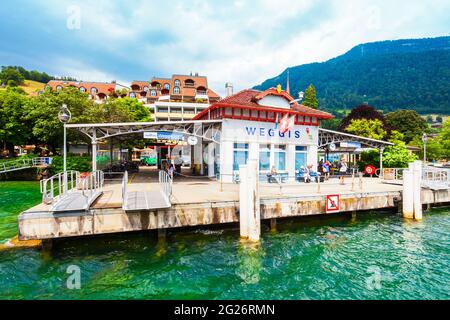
column 243, row 42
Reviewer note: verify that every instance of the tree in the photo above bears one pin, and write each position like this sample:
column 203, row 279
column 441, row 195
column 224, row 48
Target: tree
column 408, row 122
column 367, row 112
column 15, row 129
column 429, row 119
column 43, row 111
column 444, row 137
column 367, row 128
column 439, row 119
column 9, row 73
column 397, row 156
column 310, row 99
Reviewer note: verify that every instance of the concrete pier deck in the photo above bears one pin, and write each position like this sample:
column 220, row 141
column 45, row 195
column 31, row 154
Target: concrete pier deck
column 200, row 201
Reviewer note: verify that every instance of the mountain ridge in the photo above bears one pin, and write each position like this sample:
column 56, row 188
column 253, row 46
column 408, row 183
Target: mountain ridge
column 390, row 74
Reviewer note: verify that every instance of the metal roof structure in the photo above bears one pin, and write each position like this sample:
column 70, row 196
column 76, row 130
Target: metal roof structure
column 326, row 137
column 206, row 129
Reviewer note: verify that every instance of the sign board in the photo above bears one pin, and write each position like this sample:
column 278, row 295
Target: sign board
column 350, row 144
column 332, row 203
column 164, row 135
column 192, row 140
column 370, row 170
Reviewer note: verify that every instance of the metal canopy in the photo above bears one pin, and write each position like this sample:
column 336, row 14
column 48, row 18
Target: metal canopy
column 327, row 137
column 206, row 129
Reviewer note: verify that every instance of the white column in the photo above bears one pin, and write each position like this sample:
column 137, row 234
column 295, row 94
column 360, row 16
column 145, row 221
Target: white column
column 408, row 194
column 290, row 161
column 94, row 151
column 311, row 157
column 417, row 190
column 249, row 204
column 381, row 162
column 226, row 161
column 243, row 201
column 211, row 156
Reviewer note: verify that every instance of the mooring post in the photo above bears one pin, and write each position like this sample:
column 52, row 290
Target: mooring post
column 249, row 211
column 417, row 190
column 243, row 199
column 408, row 194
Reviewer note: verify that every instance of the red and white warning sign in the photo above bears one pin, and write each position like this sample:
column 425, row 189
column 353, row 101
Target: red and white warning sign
column 332, row 203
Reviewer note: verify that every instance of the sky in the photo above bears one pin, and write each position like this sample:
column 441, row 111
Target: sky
column 237, row 41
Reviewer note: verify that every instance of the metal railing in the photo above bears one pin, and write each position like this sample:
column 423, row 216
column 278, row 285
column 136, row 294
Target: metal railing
column 125, row 190
column 14, row 165
column 42, row 161
column 165, row 182
column 53, row 189
column 392, row 173
column 436, row 178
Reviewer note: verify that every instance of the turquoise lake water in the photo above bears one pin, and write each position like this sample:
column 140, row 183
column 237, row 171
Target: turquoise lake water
column 375, row 256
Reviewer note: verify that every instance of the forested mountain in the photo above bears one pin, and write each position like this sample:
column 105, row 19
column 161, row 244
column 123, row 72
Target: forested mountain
column 406, row 74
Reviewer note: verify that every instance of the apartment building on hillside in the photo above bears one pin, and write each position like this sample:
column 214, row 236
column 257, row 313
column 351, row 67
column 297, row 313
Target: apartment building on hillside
column 180, row 97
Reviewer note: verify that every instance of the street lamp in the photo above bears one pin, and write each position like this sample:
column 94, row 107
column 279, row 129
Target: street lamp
column 64, row 116
column 424, row 140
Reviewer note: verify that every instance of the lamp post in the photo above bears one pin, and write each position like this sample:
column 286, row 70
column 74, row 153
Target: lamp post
column 64, row 116
column 424, row 140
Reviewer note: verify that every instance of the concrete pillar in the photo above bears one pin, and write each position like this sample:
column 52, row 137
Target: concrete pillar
column 226, row 161
column 243, row 201
column 250, row 220
column 211, row 157
column 417, row 190
column 94, row 151
column 408, row 194
column 290, row 161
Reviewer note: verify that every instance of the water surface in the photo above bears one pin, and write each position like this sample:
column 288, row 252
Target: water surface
column 375, row 256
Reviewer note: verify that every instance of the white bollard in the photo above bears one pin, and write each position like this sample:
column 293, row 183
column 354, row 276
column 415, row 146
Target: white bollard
column 408, row 194
column 253, row 205
column 417, row 190
column 243, row 201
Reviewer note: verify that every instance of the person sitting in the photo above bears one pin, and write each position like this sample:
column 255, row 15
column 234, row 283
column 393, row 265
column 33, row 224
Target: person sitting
column 272, row 175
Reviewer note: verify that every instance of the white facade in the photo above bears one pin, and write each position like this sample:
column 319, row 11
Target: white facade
column 242, row 140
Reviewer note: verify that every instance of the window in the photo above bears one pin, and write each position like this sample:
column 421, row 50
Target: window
column 264, row 157
column 240, row 155
column 145, row 89
column 94, row 90
column 153, row 93
column 300, row 157
column 166, row 86
column 176, row 90
column 83, row 89
column 177, row 83
column 59, row 88
column 132, row 95
column 280, row 157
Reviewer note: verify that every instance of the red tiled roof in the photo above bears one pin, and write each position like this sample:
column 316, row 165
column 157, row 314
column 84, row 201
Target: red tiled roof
column 101, row 87
column 249, row 98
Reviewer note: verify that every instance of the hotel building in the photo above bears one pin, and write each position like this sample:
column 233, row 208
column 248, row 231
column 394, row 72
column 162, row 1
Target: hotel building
column 180, row 97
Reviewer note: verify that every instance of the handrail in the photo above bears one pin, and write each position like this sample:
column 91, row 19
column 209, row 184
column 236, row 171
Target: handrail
column 53, row 191
column 60, row 185
column 15, row 165
column 165, row 182
column 42, row 161
column 125, row 190
column 436, row 178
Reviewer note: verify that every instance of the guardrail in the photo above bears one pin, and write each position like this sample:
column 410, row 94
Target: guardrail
column 42, row 161
column 166, row 183
column 436, row 178
column 88, row 185
column 14, row 165
column 53, row 189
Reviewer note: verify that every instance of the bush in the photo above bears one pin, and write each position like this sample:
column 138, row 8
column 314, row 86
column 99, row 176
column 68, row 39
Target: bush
column 77, row 163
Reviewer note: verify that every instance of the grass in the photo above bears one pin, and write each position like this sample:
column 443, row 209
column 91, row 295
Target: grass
column 31, row 86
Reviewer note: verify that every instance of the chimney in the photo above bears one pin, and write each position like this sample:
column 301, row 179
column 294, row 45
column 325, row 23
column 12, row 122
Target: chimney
column 229, row 87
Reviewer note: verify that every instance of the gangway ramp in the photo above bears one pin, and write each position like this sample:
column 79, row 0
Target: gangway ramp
column 154, row 196
column 72, row 191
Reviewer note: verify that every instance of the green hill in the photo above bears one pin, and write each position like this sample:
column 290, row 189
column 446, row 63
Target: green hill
column 412, row 74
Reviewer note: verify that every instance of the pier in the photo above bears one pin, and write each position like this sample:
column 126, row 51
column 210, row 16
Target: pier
column 200, row 201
